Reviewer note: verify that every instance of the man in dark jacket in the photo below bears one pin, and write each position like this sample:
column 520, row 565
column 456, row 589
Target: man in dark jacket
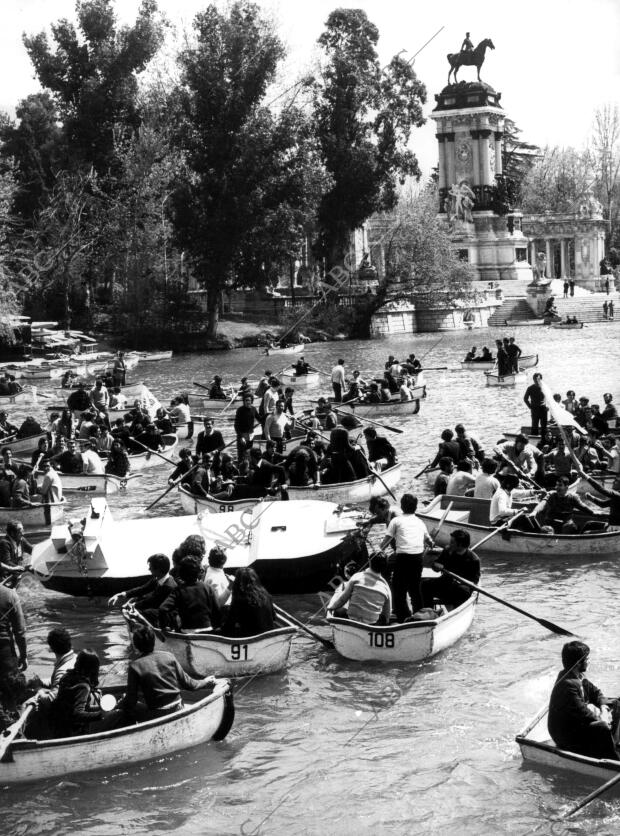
column 534, row 399
column 459, row 559
column 150, row 596
column 191, row 606
column 246, row 418
column 379, row 448
column 209, row 440
column 575, row 719
column 13, row 547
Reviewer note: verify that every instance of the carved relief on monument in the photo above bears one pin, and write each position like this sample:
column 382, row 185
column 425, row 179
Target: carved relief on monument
column 463, row 160
column 491, row 158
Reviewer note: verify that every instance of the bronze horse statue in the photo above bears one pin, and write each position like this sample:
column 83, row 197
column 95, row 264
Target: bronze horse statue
column 467, row 59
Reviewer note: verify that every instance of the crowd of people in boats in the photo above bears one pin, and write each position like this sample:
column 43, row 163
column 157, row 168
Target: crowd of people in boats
column 397, row 382
column 506, row 358
column 9, row 386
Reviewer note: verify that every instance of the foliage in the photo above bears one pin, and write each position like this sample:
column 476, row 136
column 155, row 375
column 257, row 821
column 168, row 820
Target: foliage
column 364, row 117
column 557, row 181
column 92, row 74
column 518, row 159
column 9, row 304
column 254, row 177
column 605, row 157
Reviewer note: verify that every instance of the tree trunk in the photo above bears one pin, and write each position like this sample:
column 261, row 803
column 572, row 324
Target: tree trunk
column 213, row 313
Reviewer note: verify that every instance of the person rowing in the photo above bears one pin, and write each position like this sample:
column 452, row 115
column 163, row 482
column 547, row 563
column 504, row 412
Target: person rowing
column 471, row 355
column 301, row 367
column 366, row 596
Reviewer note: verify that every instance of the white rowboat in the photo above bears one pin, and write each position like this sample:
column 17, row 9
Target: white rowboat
column 93, row 484
column 210, row 718
column 507, row 380
column 303, row 380
column 410, row 642
column 394, row 407
column 38, row 516
column 204, row 654
column 526, row 361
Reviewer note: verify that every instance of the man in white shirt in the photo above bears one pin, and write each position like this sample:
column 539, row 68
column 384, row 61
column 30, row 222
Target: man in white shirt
column 92, row 464
column 216, row 578
column 486, row 484
column 368, row 594
column 409, row 535
column 51, row 487
column 276, row 424
column 501, row 502
column 462, row 482
column 270, row 398
column 338, row 380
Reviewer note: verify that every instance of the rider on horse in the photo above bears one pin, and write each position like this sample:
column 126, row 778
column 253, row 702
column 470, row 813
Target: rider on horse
column 467, row 44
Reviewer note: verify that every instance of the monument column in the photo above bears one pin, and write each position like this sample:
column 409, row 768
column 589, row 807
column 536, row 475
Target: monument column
column 548, row 268
column 442, row 160
column 450, row 160
column 533, row 253
column 563, row 258
column 485, row 171
column 475, row 158
column 499, row 166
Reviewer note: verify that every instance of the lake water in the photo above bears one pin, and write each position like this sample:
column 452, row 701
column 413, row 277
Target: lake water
column 335, row 747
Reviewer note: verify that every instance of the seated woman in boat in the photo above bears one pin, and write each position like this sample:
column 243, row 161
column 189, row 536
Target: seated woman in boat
column 404, row 390
column 157, row 675
column 381, row 453
column 117, row 399
column 193, row 546
column 191, row 605
column 345, row 459
column 251, row 608
column 216, row 392
column 578, row 721
column 77, row 705
column 217, row 578
column 556, row 511
column 501, row 509
column 471, row 355
column 67, row 425
column 457, row 558
column 118, row 463
column 486, row 356
column 42, row 454
column 302, row 466
column 103, row 439
column 367, row 594
column 449, row 447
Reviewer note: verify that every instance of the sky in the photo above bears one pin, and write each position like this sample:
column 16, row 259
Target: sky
column 555, row 61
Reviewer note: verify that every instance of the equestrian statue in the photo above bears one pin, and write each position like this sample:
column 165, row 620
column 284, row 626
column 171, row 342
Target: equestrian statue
column 468, row 57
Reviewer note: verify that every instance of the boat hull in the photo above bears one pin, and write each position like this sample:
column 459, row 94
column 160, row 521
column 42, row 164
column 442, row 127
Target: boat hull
column 142, row 461
column 505, row 380
column 389, row 409
column 304, row 380
column 24, row 446
column 36, row 517
column 411, row 642
column 94, row 484
column 526, row 361
column 290, row 349
column 518, row 544
column 567, row 325
column 204, row 654
column 208, row 719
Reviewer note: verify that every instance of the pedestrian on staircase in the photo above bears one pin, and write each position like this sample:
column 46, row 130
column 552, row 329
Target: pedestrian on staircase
column 610, row 309
column 571, row 284
column 605, row 309
column 566, row 288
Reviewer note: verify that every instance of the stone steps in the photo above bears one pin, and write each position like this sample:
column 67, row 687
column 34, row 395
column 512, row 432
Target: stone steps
column 511, row 309
column 587, row 308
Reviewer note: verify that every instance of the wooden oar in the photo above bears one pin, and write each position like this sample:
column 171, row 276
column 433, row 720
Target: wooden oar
column 11, row 733
column 154, row 452
column 423, row 471
column 549, row 625
column 292, row 620
column 173, row 485
column 442, row 520
column 369, row 421
column 521, row 473
column 595, row 794
column 378, row 476
column 497, row 530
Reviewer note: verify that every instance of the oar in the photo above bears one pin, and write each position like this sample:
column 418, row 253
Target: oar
column 370, row 421
column 378, row 475
column 595, row 794
column 154, row 452
column 521, row 473
column 549, row 625
column 442, row 520
column 173, row 485
column 11, row 733
column 434, row 369
column 497, row 530
column 423, row 471
column 291, row 618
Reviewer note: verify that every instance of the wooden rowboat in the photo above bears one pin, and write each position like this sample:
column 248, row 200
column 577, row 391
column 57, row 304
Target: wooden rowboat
column 289, row 349
column 303, row 380
column 538, row 749
column 204, row 654
column 209, row 718
column 359, row 491
column 27, row 396
column 148, row 458
column 518, row 323
column 567, row 325
column 472, row 515
column 295, row 547
column 410, row 642
column 94, row 484
column 526, row 361
column 391, row 408
column 43, row 515
column 506, row 380
column 153, row 356
column 22, row 446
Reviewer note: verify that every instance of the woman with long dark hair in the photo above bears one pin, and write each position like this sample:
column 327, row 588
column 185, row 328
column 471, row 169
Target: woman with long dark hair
column 77, row 704
column 251, row 608
column 118, row 461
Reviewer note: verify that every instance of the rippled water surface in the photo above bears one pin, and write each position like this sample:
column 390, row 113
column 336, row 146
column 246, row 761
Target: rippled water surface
column 336, row 747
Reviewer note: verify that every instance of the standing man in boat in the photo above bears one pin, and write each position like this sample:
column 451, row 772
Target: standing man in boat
column 577, row 721
column 338, row 380
column 276, row 425
column 119, row 370
column 534, row 399
column 409, row 537
column 246, row 419
column 514, row 352
column 503, row 361
column 209, row 440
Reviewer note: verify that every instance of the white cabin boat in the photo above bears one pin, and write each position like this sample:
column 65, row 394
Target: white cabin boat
column 209, row 718
column 538, row 749
column 472, row 515
column 113, row 556
column 205, row 654
column 410, row 642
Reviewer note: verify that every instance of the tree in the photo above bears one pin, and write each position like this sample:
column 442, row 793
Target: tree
column 9, row 304
column 364, row 117
column 558, row 180
column 518, row 159
column 254, row 177
column 606, row 162
column 92, row 74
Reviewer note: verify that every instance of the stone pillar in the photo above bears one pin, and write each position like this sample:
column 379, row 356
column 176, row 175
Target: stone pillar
column 442, row 161
column 563, row 259
column 475, row 147
column 450, row 161
column 549, row 254
column 533, row 253
column 485, row 171
column 499, row 164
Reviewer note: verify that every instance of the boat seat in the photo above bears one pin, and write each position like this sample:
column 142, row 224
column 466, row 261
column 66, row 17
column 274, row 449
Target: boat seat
column 477, row 509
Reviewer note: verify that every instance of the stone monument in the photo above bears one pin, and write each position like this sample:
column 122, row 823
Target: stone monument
column 473, row 191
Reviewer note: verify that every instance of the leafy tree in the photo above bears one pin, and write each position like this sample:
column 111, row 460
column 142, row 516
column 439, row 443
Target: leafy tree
column 364, row 117
column 92, row 74
column 606, row 163
column 518, row 159
column 557, row 181
column 254, row 177
column 9, row 303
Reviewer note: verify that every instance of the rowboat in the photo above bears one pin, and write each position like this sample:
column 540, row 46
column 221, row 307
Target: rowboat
column 296, row 547
column 149, row 458
column 514, row 323
column 94, row 484
column 393, row 407
column 538, row 748
column 289, row 349
column 410, row 642
column 303, row 380
column 214, row 408
column 582, row 486
column 506, row 380
column 22, row 446
column 205, row 654
column 27, row 396
column 209, row 718
column 472, row 515
column 526, row 361
column 153, row 356
column 567, row 325
column 140, row 395
column 38, row 516
column 361, row 490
